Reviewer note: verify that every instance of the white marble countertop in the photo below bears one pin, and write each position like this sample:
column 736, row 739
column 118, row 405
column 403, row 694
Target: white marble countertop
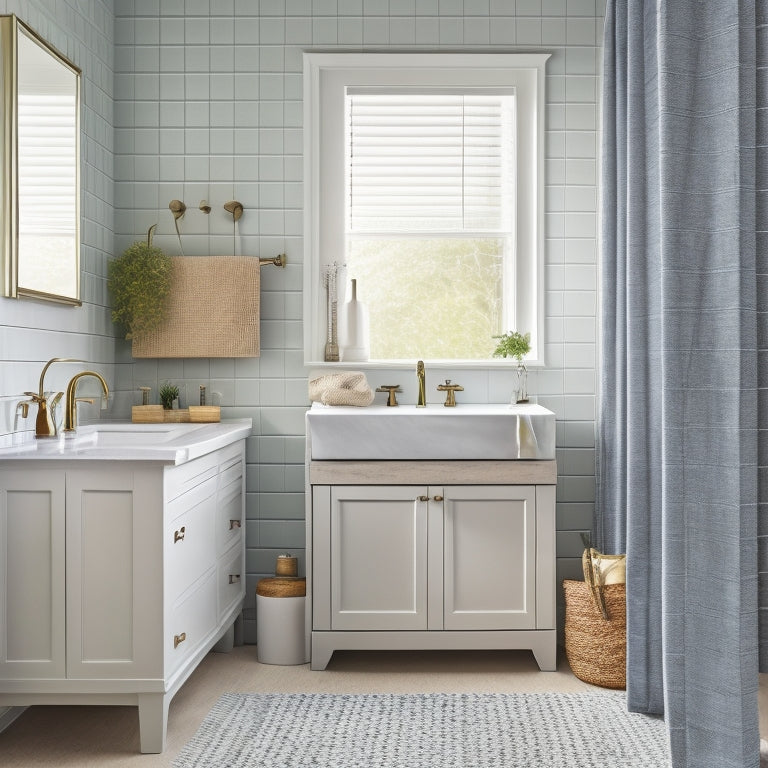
column 124, row 441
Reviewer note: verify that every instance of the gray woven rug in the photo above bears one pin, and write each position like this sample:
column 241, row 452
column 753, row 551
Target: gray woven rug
column 517, row 730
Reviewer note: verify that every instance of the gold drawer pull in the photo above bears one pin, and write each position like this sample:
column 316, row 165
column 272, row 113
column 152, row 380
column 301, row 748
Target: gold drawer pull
column 179, row 639
column 234, row 578
column 234, row 524
column 437, row 498
column 422, row 498
column 179, row 535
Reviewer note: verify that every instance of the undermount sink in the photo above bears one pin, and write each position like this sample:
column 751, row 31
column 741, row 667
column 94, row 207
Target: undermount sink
column 405, row 432
column 130, row 434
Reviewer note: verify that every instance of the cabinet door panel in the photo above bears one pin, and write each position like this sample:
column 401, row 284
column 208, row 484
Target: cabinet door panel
column 489, row 557
column 114, row 573
column 32, row 642
column 379, row 563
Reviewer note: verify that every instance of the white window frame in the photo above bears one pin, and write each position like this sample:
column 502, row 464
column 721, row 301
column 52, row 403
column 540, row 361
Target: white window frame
column 326, row 74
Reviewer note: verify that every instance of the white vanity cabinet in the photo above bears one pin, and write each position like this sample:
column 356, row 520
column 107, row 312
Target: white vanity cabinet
column 119, row 577
column 465, row 559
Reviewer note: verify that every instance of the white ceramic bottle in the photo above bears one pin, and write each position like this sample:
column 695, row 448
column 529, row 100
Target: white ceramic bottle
column 353, row 330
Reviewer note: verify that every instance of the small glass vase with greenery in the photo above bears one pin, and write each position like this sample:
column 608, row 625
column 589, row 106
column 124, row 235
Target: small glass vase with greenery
column 517, row 345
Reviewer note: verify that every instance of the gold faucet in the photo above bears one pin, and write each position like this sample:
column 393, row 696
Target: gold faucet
column 422, row 384
column 70, row 417
column 450, row 392
column 44, row 423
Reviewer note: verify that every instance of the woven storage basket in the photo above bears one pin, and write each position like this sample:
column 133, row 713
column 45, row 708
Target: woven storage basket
column 596, row 649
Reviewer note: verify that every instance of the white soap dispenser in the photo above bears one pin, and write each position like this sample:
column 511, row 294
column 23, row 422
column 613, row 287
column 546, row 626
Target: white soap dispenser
column 353, row 330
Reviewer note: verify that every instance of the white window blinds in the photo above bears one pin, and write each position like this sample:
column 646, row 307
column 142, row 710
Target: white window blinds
column 47, row 163
column 430, row 162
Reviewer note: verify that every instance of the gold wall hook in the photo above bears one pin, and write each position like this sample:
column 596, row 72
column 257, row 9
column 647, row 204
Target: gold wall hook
column 235, row 208
column 177, row 208
column 204, row 207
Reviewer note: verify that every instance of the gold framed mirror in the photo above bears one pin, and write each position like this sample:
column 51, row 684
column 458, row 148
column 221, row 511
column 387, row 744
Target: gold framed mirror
column 40, row 198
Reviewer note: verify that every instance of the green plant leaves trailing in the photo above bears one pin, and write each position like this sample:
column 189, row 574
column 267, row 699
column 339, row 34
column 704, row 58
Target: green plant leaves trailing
column 140, row 283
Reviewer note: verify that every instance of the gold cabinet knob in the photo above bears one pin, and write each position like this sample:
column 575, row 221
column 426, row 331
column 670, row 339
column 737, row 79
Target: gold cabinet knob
column 234, row 524
column 422, row 498
column 179, row 535
column 179, row 639
column 437, row 498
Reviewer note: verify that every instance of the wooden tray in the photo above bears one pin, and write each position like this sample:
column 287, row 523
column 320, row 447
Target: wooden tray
column 156, row 414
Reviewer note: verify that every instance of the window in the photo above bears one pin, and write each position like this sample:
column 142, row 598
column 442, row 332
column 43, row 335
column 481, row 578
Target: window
column 423, row 178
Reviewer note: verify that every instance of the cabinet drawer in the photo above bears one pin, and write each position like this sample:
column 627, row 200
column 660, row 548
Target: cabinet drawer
column 192, row 619
column 229, row 516
column 230, row 470
column 189, row 543
column 231, row 579
column 185, row 477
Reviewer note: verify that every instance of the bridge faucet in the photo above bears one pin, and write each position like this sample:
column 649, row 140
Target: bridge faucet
column 70, row 417
column 44, row 423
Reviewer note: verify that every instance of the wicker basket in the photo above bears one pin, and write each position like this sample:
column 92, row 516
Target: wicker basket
column 596, row 649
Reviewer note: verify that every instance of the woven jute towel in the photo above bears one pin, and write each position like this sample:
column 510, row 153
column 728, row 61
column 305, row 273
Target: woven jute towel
column 213, row 310
column 596, row 648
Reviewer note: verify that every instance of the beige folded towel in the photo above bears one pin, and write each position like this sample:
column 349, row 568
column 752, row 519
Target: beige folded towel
column 343, row 388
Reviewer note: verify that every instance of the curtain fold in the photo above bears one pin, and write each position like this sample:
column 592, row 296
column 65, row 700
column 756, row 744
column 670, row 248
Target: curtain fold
column 682, row 203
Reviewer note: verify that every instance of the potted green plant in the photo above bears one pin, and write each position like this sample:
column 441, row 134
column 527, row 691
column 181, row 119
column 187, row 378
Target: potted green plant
column 168, row 393
column 517, row 345
column 139, row 282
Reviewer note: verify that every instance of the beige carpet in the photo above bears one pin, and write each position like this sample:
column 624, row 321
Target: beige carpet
column 96, row 737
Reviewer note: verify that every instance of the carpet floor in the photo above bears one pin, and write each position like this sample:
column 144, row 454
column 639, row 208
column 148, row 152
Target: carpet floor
column 516, row 730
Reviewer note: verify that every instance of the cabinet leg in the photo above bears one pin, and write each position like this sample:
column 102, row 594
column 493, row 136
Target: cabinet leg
column 239, row 631
column 545, row 652
column 153, row 721
column 320, row 655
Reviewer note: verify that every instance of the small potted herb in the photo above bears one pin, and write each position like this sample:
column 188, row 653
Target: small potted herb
column 517, row 345
column 168, row 393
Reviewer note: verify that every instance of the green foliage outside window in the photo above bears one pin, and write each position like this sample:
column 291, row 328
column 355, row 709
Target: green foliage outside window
column 430, row 298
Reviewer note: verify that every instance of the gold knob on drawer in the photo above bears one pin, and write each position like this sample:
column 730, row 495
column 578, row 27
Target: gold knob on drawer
column 422, row 498
column 179, row 639
column 179, row 535
column 234, row 578
column 234, row 524
column 437, row 498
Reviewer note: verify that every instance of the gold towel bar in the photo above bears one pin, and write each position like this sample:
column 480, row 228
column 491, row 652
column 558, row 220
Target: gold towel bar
column 278, row 261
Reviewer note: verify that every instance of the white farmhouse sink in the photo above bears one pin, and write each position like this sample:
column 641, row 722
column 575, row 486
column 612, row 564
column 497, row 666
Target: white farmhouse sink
column 404, row 432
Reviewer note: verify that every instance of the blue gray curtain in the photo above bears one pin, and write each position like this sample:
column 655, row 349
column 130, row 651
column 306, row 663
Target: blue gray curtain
column 684, row 370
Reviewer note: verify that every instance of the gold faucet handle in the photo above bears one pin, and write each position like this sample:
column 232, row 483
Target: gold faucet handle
column 450, row 392
column 392, row 389
column 35, row 397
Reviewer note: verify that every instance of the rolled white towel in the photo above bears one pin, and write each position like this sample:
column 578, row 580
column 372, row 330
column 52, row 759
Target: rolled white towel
column 342, row 388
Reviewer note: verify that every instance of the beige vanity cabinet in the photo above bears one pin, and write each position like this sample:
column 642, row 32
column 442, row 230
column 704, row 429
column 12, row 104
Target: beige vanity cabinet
column 433, row 565
column 119, row 577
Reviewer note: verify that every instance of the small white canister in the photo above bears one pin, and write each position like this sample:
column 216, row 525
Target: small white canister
column 280, row 606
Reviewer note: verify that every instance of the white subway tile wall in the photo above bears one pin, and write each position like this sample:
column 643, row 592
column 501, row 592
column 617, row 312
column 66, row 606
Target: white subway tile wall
column 208, row 106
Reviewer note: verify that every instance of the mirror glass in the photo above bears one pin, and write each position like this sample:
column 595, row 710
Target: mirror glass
column 41, row 217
